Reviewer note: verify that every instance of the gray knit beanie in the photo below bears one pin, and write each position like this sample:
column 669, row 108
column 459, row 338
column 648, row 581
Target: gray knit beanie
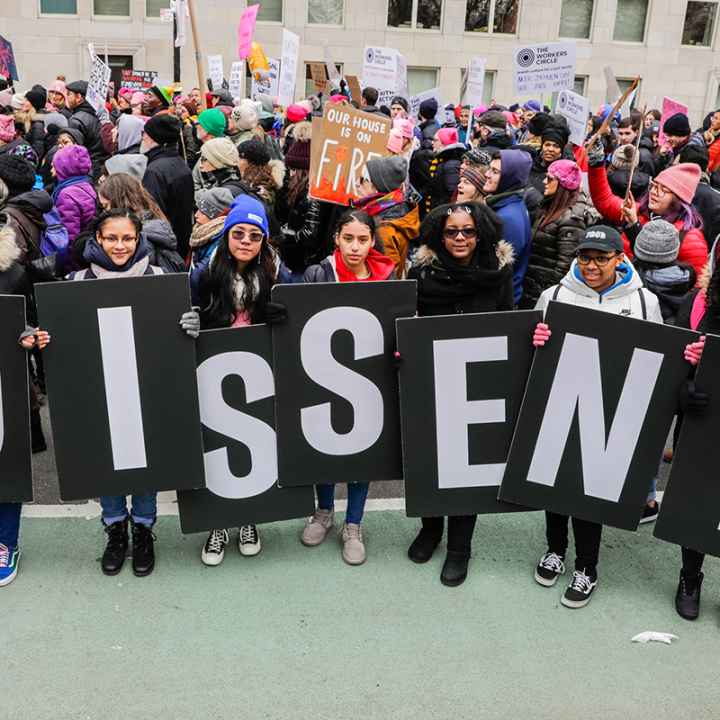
column 387, row 173
column 214, row 202
column 658, row 242
column 133, row 164
column 625, row 158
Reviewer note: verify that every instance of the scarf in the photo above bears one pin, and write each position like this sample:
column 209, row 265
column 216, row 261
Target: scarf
column 376, row 204
column 68, row 182
column 103, row 266
column 203, row 234
column 130, row 269
column 380, row 267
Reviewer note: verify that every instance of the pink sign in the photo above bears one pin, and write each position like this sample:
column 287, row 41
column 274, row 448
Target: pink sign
column 669, row 108
column 246, row 29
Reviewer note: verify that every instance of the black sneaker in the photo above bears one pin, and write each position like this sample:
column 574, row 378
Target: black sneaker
column 579, row 590
column 454, row 569
column 549, row 569
column 143, row 552
column 116, row 548
column 650, row 513
column 423, row 546
column 687, row 598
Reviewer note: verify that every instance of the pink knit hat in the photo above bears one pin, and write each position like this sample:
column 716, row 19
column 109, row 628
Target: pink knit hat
column 7, row 128
column 567, row 173
column 405, row 126
column 447, row 136
column 682, row 180
column 58, row 87
column 137, row 98
column 126, row 93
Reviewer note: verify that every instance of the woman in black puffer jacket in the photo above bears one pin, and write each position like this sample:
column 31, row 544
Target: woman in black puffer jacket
column 560, row 225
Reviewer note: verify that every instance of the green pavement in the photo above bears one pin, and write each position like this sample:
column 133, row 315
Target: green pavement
column 295, row 634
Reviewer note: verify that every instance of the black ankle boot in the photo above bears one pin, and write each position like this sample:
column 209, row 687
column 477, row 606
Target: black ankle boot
column 423, row 546
column 116, row 548
column 143, row 553
column 36, row 433
column 455, row 568
column 687, row 598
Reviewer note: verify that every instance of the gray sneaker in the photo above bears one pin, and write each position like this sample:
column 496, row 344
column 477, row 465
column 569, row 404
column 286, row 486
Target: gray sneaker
column 353, row 551
column 317, row 527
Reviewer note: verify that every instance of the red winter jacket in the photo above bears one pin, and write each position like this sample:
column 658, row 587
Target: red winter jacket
column 693, row 248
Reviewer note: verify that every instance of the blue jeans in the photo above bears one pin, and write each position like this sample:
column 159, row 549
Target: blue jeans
column 652, row 495
column 144, row 509
column 357, row 495
column 10, row 523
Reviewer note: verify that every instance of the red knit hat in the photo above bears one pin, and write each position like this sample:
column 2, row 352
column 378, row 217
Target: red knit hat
column 296, row 113
column 682, row 180
column 447, row 136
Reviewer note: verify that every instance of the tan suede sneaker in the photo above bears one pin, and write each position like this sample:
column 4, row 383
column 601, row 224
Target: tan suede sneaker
column 353, row 551
column 317, row 527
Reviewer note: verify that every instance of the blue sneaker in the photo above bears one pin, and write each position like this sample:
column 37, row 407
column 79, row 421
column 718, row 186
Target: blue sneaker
column 9, row 558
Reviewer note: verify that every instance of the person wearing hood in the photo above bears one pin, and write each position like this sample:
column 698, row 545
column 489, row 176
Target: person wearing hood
column 24, row 206
column 427, row 124
column 259, row 172
column 563, row 217
column 219, row 166
column 382, row 196
column 443, row 172
column 505, row 194
column 670, row 198
column 623, row 160
column 85, row 119
column 355, row 259
column 121, row 190
column 553, row 141
column 462, row 266
column 493, row 131
column 57, row 97
column 129, row 134
column 707, row 198
column 167, row 177
column 74, row 195
column 117, row 249
column 599, row 278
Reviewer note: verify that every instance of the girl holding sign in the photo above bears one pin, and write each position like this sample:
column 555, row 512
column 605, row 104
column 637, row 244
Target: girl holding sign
column 463, row 266
column 355, row 259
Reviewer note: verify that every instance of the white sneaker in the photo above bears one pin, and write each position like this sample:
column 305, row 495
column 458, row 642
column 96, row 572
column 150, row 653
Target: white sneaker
column 213, row 552
column 249, row 541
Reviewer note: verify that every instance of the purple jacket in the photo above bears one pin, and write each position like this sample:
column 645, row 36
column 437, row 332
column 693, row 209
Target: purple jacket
column 74, row 196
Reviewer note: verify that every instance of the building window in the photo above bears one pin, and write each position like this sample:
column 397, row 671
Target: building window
column 153, row 7
column 699, row 23
column 624, row 84
column 415, row 14
column 310, row 88
column 630, row 21
column 325, row 12
column 421, row 79
column 58, row 7
column 112, row 7
column 576, row 19
column 270, row 11
column 488, row 85
column 500, row 15
column 580, row 84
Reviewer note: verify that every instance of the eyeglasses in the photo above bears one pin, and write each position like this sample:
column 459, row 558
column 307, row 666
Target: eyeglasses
column 114, row 240
column 240, row 235
column 466, row 232
column 658, row 189
column 599, row 260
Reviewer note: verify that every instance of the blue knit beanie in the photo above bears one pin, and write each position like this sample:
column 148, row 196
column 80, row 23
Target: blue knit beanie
column 248, row 210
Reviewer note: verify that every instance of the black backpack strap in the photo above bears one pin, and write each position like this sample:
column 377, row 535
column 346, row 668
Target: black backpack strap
column 556, row 292
column 643, row 304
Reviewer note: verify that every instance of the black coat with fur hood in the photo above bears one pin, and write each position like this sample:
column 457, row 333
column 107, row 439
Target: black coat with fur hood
column 438, row 291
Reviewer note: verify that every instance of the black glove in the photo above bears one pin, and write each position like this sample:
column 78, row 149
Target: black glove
column 275, row 313
column 691, row 399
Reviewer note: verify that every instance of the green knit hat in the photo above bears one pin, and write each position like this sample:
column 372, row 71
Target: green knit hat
column 213, row 122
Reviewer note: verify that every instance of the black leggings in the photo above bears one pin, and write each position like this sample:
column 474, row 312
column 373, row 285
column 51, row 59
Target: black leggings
column 460, row 531
column 692, row 562
column 587, row 540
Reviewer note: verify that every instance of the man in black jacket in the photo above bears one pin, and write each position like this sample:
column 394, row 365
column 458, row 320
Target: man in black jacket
column 85, row 119
column 167, row 177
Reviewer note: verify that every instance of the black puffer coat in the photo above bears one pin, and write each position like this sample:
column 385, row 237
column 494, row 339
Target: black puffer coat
column 553, row 248
column 87, row 122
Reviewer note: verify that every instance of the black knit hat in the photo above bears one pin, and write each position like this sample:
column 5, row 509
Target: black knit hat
column 428, row 109
column 400, row 100
column 298, row 157
column 164, row 129
column 677, row 125
column 17, row 173
column 79, row 86
column 254, row 151
column 37, row 97
column 556, row 133
column 538, row 123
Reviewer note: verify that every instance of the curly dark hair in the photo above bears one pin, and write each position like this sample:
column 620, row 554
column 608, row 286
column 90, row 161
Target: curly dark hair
column 487, row 224
column 258, row 277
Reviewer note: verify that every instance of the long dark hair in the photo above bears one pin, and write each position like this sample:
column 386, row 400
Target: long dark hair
column 352, row 215
column 222, row 307
column 297, row 186
column 556, row 205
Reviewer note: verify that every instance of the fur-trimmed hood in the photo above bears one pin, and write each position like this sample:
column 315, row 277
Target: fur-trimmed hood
column 426, row 256
column 302, row 131
column 277, row 170
column 9, row 250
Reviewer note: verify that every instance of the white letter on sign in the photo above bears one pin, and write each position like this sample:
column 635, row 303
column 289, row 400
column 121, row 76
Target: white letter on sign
column 122, row 387
column 322, row 368
column 578, row 384
column 454, row 412
column 257, row 436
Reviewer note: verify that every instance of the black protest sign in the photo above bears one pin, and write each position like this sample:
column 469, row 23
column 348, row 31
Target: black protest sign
column 690, row 510
column 598, row 407
column 462, row 379
column 121, row 378
column 15, row 464
column 237, row 409
column 336, row 384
